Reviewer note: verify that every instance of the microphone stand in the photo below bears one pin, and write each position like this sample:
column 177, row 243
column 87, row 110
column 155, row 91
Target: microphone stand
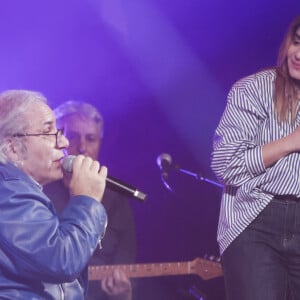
column 197, row 176
column 185, row 171
column 164, row 181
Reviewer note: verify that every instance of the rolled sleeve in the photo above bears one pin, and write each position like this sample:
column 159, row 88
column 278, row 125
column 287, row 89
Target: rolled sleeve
column 254, row 161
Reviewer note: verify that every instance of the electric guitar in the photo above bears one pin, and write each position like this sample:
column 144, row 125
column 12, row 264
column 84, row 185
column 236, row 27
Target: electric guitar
column 204, row 268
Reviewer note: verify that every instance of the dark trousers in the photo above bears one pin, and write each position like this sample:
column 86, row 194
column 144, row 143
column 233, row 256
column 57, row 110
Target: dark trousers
column 263, row 262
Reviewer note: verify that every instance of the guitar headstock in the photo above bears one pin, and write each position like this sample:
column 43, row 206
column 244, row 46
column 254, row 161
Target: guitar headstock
column 206, row 269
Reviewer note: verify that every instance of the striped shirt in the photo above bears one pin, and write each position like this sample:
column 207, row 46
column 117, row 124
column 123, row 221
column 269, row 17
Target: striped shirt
column 248, row 122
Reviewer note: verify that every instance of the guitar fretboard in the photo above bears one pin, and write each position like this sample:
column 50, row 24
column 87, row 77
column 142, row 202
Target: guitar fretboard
column 204, row 268
column 141, row 270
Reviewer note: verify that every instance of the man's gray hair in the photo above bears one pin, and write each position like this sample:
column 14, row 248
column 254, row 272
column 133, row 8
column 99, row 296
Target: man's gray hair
column 83, row 109
column 14, row 105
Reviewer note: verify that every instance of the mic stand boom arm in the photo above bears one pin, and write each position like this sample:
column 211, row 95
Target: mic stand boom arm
column 197, row 176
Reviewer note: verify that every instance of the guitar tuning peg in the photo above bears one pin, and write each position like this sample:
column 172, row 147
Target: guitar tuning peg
column 209, row 257
column 212, row 257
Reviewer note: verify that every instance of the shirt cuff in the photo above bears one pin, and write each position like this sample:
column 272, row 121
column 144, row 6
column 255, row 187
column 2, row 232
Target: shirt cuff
column 254, row 161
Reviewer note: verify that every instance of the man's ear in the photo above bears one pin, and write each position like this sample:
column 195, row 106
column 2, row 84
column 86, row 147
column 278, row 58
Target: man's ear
column 11, row 148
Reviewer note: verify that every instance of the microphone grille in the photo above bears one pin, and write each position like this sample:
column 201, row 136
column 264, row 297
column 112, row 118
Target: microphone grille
column 164, row 157
column 67, row 163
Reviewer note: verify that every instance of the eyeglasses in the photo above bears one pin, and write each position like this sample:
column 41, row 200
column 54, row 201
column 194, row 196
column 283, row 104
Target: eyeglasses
column 57, row 134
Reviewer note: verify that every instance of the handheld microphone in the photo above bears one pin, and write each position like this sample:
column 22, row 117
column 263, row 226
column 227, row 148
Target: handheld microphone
column 114, row 183
column 164, row 161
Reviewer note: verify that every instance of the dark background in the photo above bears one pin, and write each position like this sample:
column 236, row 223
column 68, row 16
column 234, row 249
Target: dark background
column 159, row 71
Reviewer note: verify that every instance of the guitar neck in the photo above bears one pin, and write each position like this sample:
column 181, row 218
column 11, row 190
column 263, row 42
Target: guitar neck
column 141, row 270
column 205, row 269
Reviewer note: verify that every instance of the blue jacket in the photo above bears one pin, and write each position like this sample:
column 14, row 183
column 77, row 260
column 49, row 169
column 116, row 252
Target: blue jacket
column 41, row 256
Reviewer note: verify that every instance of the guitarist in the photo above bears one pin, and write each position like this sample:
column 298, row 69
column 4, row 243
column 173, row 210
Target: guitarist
column 83, row 126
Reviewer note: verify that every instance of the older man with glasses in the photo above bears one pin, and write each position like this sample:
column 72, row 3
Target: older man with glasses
column 43, row 256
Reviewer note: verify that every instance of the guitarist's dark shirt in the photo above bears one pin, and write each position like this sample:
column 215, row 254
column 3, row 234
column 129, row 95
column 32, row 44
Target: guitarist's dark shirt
column 119, row 242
